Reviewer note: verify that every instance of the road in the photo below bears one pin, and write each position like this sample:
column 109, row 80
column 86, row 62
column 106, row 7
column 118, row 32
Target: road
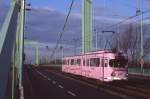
column 44, row 84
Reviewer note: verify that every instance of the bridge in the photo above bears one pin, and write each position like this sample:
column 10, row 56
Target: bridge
column 41, row 77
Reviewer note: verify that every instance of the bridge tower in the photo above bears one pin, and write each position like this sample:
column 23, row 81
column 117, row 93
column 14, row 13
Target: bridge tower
column 86, row 26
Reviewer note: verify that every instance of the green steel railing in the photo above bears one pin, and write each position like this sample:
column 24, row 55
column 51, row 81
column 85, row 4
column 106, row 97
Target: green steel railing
column 146, row 71
column 36, row 44
column 7, row 39
column 11, row 49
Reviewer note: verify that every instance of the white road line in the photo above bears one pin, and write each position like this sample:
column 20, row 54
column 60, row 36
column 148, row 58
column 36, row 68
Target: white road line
column 43, row 75
column 81, row 82
column 60, row 86
column 96, row 87
column 71, row 93
column 49, row 79
column 54, row 82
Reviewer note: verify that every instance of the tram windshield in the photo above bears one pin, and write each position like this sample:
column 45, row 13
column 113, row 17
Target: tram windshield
column 118, row 62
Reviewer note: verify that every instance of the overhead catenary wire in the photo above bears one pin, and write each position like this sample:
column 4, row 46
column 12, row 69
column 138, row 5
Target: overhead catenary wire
column 128, row 18
column 116, row 24
column 63, row 29
column 131, row 17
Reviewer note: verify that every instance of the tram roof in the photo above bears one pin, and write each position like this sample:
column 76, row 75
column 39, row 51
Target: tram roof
column 93, row 52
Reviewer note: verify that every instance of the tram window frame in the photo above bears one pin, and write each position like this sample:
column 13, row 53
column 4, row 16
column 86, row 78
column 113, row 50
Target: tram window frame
column 75, row 62
column 64, row 62
column 87, row 62
column 105, row 62
column 78, row 62
column 96, row 62
column 68, row 62
column 84, row 62
column 72, row 62
column 102, row 62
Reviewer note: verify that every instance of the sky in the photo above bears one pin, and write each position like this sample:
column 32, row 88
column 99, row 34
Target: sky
column 45, row 20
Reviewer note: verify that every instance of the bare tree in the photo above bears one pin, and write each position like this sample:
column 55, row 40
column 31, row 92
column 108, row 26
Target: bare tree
column 129, row 42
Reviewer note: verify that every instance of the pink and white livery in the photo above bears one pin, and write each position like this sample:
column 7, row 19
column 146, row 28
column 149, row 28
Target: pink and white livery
column 102, row 65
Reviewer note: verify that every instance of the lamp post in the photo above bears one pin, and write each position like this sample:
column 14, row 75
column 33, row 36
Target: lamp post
column 75, row 40
column 139, row 11
column 96, row 38
column 97, row 33
column 62, row 54
column 37, row 55
column 118, row 37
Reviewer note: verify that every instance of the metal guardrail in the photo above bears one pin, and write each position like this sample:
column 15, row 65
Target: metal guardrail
column 7, row 39
column 146, row 71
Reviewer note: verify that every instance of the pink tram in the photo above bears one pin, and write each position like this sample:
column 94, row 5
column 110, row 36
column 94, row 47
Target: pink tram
column 102, row 65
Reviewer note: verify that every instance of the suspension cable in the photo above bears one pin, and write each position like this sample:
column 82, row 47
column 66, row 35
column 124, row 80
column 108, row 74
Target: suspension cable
column 63, row 29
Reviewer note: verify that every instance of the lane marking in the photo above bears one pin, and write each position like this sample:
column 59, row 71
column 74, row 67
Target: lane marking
column 71, row 93
column 49, row 79
column 21, row 92
column 54, row 82
column 94, row 86
column 81, row 82
column 43, row 75
column 60, row 86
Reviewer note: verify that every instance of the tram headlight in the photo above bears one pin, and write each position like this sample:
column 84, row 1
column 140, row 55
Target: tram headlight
column 113, row 74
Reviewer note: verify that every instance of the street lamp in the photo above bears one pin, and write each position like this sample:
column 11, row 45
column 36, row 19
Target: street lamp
column 96, row 38
column 139, row 11
column 62, row 55
column 36, row 44
column 75, row 45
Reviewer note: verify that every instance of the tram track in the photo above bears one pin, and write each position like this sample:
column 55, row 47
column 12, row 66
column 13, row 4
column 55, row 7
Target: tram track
column 125, row 88
column 133, row 86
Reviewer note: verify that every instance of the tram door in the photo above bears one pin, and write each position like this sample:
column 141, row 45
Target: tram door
column 104, row 68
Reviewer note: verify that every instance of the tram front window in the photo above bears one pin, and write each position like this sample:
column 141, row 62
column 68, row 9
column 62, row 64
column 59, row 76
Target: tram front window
column 117, row 62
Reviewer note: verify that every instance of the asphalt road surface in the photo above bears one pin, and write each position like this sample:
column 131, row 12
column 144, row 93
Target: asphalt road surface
column 43, row 84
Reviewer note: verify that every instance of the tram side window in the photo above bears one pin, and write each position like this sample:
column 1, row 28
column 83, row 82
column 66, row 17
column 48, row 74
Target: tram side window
column 72, row 61
column 94, row 62
column 79, row 62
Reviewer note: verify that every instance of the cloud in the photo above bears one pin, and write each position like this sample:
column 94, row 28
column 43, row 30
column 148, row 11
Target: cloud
column 45, row 24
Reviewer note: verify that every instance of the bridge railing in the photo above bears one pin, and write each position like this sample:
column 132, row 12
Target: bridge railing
column 137, row 70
